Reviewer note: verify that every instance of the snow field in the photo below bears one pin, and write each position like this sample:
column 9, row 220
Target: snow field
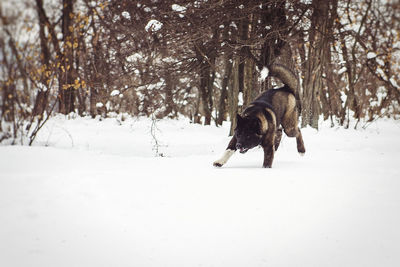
column 97, row 196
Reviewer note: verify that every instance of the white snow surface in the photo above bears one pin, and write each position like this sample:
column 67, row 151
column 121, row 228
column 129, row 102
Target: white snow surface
column 92, row 193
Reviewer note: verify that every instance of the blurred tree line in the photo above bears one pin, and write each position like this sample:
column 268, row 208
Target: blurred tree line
column 201, row 59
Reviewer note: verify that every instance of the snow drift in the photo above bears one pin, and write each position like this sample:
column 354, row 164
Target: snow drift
column 92, row 193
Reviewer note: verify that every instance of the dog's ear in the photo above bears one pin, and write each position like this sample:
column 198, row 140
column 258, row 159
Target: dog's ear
column 239, row 119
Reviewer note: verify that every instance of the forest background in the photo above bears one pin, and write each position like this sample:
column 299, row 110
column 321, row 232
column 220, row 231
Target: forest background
column 199, row 59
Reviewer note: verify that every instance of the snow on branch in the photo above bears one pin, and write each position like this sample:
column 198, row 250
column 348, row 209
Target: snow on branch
column 371, row 55
column 264, row 73
column 153, row 25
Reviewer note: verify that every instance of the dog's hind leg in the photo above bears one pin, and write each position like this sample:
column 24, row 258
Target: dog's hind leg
column 300, row 144
column 230, row 150
column 295, row 132
column 290, row 125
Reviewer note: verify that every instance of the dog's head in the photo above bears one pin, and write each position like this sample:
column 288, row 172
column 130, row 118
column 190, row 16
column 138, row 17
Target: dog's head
column 248, row 133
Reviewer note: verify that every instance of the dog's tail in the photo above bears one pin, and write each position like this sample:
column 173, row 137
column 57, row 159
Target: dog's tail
column 288, row 78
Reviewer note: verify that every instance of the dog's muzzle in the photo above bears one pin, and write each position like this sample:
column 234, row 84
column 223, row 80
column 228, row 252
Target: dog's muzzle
column 241, row 148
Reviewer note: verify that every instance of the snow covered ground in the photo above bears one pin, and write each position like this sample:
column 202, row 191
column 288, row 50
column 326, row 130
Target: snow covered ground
column 92, row 193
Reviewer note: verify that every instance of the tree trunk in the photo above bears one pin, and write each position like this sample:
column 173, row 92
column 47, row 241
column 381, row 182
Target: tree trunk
column 247, row 66
column 248, row 82
column 222, row 105
column 233, row 93
column 169, row 100
column 96, row 79
column 313, row 83
column 334, row 100
column 207, row 76
column 205, row 94
column 67, row 73
column 42, row 97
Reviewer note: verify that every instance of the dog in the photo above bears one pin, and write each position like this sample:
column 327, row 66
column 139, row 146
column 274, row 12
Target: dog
column 262, row 121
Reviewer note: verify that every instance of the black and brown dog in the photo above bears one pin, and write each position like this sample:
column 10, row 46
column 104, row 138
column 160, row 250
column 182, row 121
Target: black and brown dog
column 260, row 122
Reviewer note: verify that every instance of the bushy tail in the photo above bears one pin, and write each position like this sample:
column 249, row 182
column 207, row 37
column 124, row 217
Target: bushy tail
column 287, row 77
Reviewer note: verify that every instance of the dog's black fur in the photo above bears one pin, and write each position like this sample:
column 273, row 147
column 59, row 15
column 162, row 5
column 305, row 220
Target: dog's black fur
column 260, row 122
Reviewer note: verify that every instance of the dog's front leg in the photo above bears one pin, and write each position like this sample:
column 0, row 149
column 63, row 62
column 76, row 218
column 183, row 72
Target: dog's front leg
column 230, row 150
column 268, row 156
column 269, row 150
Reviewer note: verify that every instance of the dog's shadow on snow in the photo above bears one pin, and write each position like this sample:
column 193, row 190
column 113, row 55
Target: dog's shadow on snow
column 279, row 165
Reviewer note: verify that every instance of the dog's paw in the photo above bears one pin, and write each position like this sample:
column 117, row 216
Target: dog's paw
column 224, row 159
column 302, row 153
column 217, row 164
